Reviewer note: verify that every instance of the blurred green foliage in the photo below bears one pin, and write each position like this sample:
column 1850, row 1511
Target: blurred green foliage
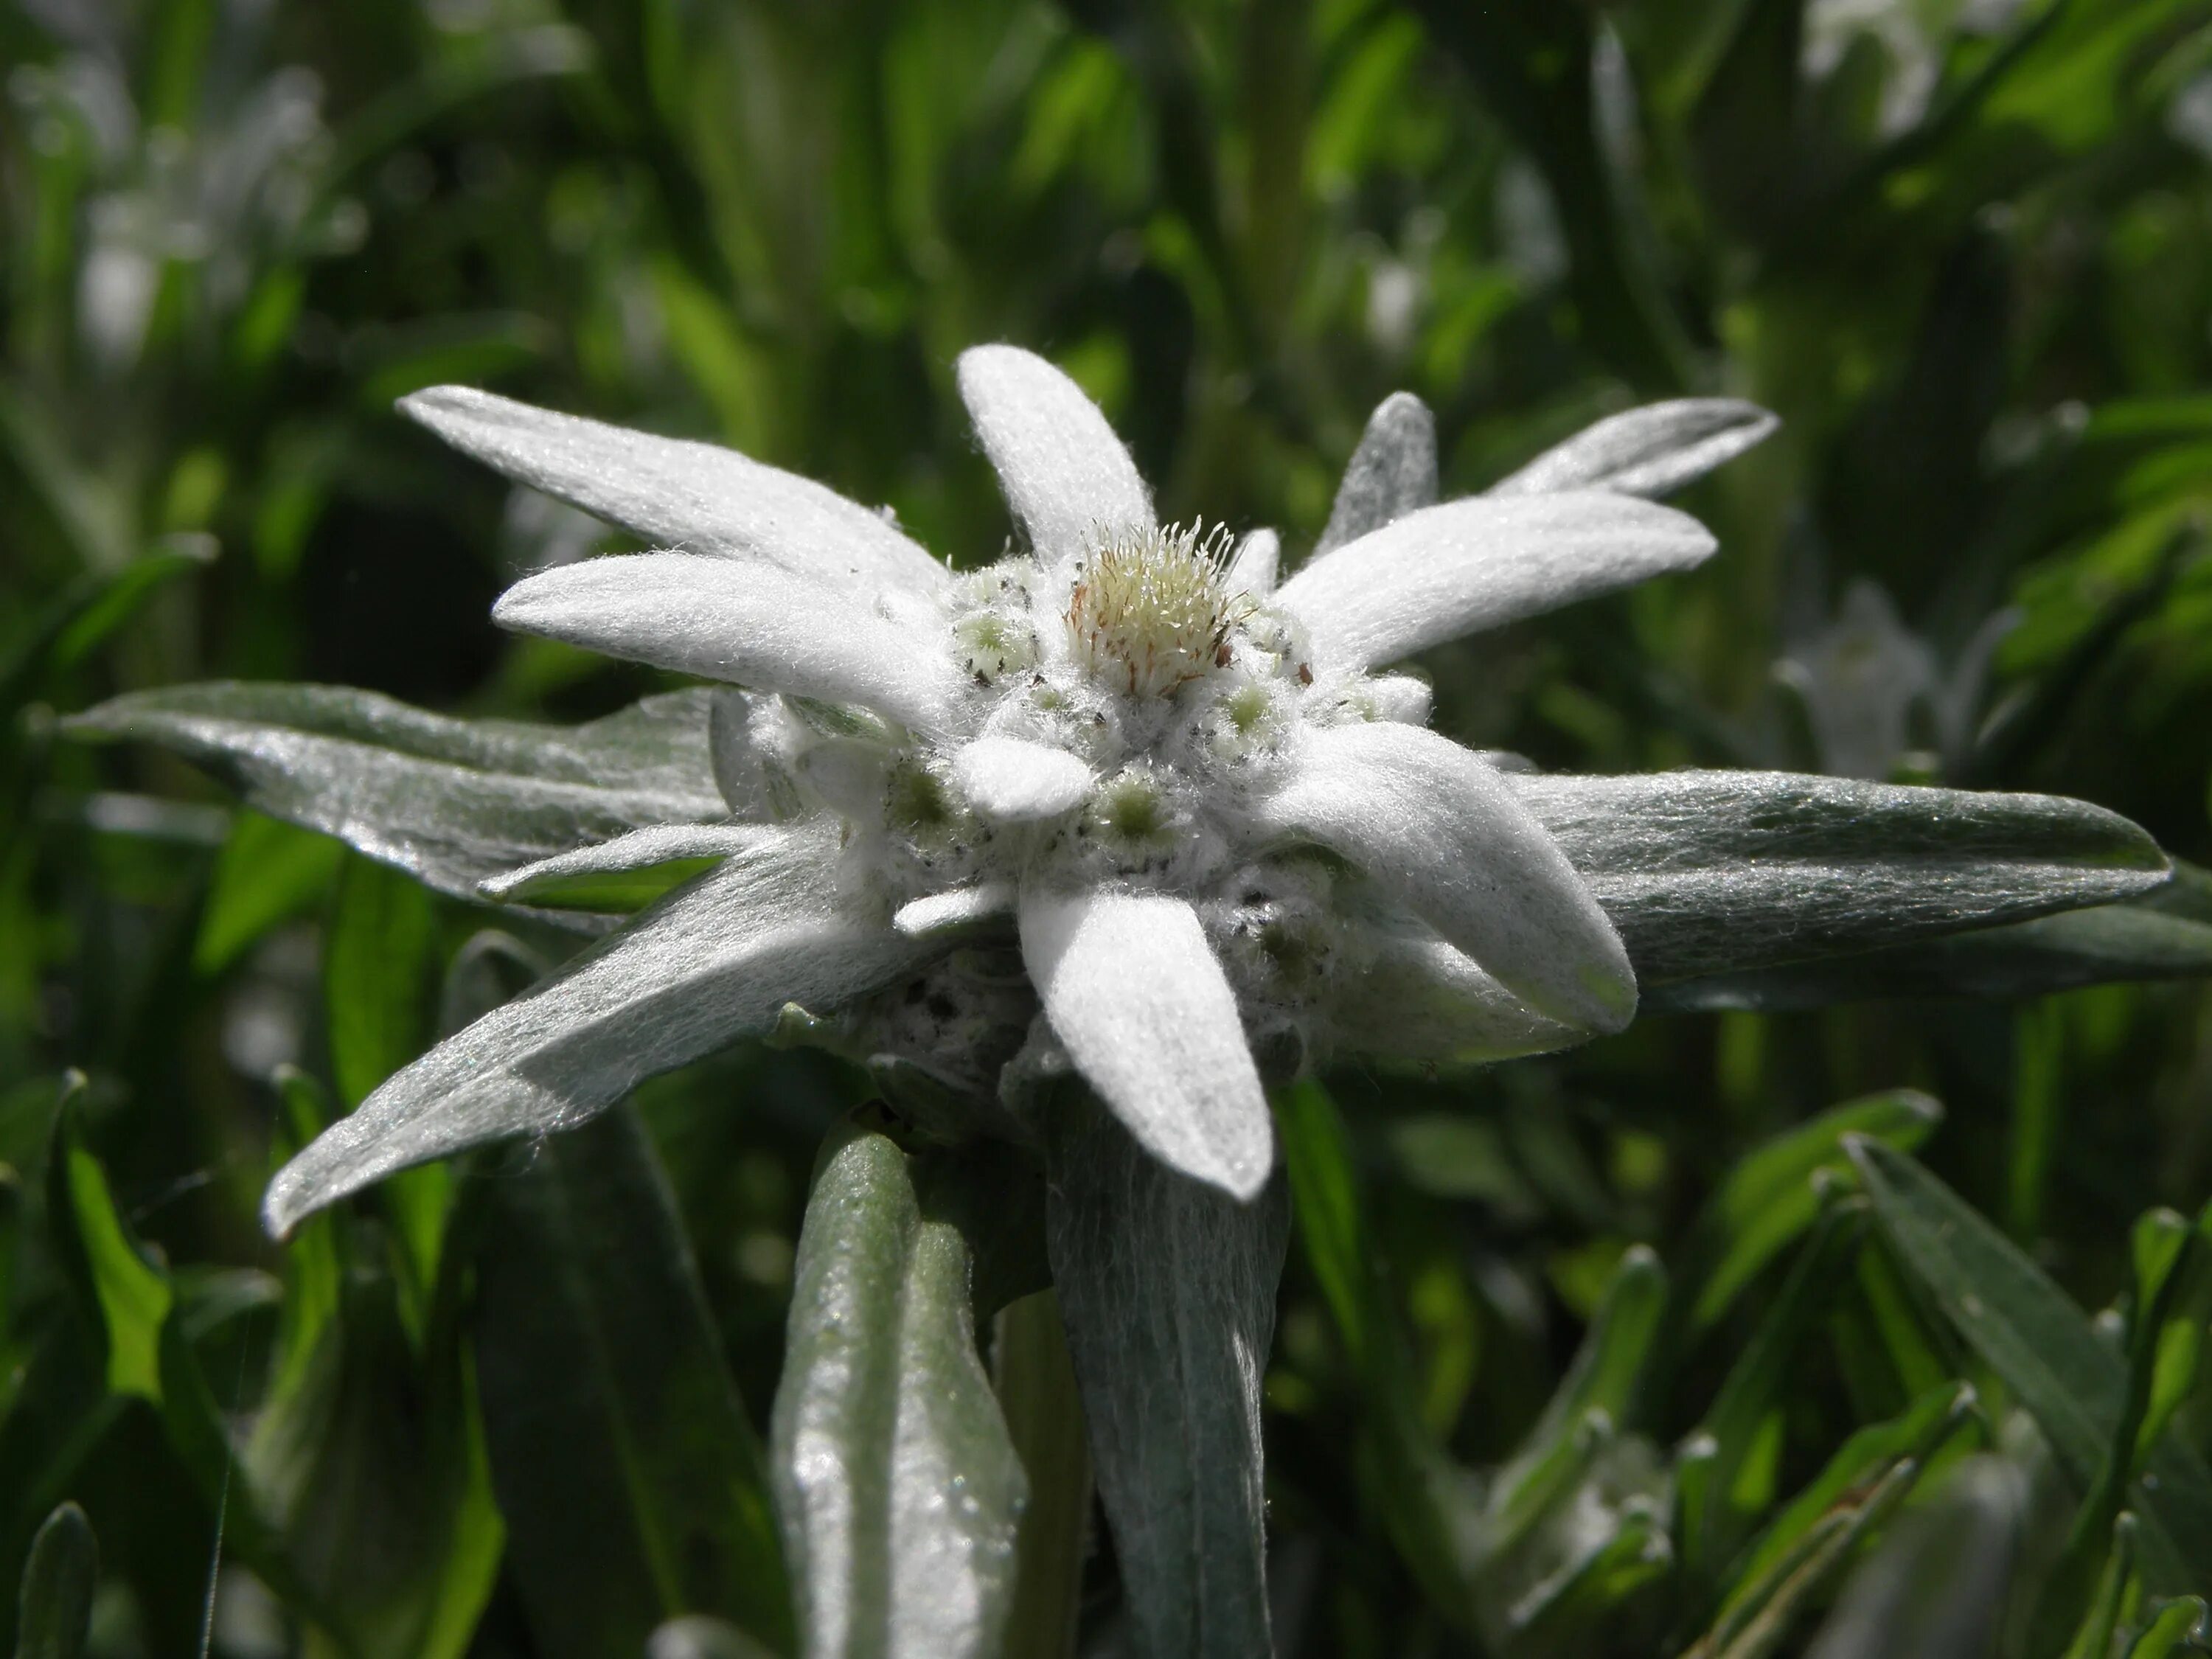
column 1964, row 247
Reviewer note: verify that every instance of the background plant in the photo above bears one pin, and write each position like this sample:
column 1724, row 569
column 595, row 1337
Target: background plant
column 1962, row 250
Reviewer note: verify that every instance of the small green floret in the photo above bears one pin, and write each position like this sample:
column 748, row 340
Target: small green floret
column 916, row 801
column 1132, row 808
column 1247, row 705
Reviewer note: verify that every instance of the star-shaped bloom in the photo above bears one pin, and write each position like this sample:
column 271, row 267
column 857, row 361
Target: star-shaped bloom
column 1215, row 825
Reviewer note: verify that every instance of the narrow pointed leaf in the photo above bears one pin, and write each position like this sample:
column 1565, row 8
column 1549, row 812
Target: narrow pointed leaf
column 2181, row 1627
column 380, row 974
column 1857, row 1466
column 633, row 1486
column 896, row 1481
column 2032, row 1336
column 1759, row 1632
column 267, row 873
column 2171, row 1262
column 1568, row 1615
column 1392, row 473
column 54, row 1610
column 86, row 613
column 2093, row 1638
column 1719, row 1506
column 1651, row 451
column 133, row 1297
column 1428, row 1505
column 451, row 801
column 1706, row 873
column 1168, row 1289
column 368, row 1451
column 2134, row 941
column 1768, row 1197
column 1600, row 1383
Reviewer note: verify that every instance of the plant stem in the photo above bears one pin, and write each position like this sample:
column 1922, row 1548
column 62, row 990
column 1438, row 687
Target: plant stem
column 1044, row 1415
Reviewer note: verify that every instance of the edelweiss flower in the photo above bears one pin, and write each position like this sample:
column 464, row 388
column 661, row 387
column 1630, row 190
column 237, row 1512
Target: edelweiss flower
column 1214, row 827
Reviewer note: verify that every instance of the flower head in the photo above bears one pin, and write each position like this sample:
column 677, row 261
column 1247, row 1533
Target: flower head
column 1192, row 799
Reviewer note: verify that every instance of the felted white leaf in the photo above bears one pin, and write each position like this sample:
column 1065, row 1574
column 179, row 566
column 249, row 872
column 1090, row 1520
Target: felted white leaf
column 748, row 624
column 1417, row 998
column 1653, row 451
column 1712, row 872
column 1392, row 473
column 1132, row 989
column 1470, row 565
column 1015, row 781
column 714, row 962
column 675, row 493
column 641, row 849
column 452, row 801
column 1068, row 478
column 959, row 907
column 1443, row 834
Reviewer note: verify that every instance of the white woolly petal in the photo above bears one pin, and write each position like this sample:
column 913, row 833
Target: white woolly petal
column 696, row 496
column 1066, row 476
column 714, row 962
column 1653, row 451
column 1133, row 990
column 1400, row 697
column 1253, row 570
column 1468, row 565
column 1419, row 998
column 1445, row 835
column 939, row 912
column 641, row 849
column 1013, row 782
column 750, row 625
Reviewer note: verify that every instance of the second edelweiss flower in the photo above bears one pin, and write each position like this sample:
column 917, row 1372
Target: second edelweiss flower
column 1212, row 821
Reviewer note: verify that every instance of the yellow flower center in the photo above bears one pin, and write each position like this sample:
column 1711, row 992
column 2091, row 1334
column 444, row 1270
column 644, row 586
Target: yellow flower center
column 1153, row 612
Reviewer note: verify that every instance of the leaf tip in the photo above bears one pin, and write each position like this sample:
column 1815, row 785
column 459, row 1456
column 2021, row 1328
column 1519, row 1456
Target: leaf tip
column 1924, row 1107
column 436, row 406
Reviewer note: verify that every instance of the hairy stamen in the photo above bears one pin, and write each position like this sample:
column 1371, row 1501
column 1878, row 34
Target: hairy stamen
column 1153, row 612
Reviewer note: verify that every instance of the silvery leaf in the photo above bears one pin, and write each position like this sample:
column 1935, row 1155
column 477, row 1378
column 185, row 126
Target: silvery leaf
column 1168, row 1289
column 2096, row 946
column 1654, row 451
column 1712, row 872
column 897, row 1485
column 452, row 801
column 630, row 872
column 714, row 962
column 1392, row 472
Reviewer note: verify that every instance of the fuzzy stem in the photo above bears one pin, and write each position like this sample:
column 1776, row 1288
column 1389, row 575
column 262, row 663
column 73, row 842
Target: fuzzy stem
column 1044, row 1415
